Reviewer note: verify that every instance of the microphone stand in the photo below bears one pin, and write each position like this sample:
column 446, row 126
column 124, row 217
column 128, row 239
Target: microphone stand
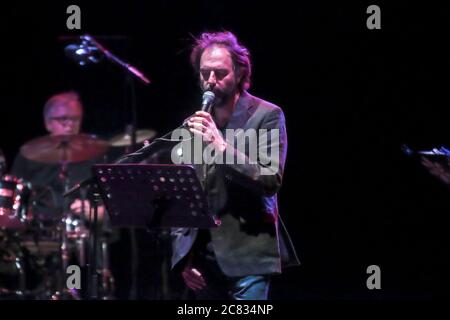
column 130, row 73
column 133, row 128
column 115, row 59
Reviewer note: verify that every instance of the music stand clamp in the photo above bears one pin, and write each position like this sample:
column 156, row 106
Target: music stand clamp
column 153, row 196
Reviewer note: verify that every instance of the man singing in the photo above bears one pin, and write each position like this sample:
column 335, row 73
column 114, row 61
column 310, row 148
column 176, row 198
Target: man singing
column 236, row 259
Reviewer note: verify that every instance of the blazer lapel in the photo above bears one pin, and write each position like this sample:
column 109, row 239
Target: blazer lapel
column 242, row 112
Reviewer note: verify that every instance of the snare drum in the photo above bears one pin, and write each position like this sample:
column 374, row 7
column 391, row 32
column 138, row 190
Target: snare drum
column 15, row 213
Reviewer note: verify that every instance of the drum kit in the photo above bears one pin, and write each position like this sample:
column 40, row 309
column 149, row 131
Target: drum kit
column 34, row 256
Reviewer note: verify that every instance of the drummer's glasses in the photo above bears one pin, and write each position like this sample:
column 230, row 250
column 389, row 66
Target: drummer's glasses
column 65, row 119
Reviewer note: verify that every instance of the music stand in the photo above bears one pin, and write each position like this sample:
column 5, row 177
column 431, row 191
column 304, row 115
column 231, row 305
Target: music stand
column 153, row 196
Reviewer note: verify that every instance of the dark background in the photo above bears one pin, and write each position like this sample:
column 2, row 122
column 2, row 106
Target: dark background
column 351, row 96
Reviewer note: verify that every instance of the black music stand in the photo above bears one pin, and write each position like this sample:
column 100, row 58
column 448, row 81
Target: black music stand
column 153, row 196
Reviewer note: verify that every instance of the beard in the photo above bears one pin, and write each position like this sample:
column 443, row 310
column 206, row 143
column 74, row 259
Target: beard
column 222, row 97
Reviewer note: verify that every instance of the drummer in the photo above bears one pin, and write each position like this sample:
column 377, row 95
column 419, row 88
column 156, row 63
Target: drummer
column 58, row 160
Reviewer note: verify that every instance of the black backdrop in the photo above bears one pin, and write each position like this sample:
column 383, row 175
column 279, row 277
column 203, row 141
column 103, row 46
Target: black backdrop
column 351, row 96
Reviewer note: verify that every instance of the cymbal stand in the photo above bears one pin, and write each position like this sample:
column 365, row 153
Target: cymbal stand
column 65, row 228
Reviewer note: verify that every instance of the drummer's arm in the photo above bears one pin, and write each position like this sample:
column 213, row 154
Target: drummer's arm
column 77, row 208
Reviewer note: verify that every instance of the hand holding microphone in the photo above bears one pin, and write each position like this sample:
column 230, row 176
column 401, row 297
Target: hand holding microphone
column 202, row 123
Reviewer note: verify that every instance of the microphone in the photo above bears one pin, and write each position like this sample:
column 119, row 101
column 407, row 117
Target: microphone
column 81, row 53
column 207, row 101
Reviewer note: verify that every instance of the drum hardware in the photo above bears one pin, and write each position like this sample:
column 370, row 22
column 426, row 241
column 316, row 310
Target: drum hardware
column 14, row 203
column 49, row 249
column 124, row 139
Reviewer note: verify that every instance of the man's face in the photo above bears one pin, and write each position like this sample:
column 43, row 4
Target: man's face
column 64, row 118
column 217, row 72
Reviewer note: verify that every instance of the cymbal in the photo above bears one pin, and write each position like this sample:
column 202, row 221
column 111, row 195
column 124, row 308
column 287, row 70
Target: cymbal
column 71, row 148
column 124, row 139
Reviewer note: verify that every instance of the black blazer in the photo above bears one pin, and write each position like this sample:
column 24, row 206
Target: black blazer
column 250, row 239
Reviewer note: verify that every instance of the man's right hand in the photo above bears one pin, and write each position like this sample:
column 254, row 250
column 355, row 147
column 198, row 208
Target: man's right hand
column 193, row 278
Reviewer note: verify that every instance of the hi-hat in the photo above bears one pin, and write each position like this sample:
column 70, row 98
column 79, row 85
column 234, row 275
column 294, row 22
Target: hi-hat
column 124, row 139
column 68, row 148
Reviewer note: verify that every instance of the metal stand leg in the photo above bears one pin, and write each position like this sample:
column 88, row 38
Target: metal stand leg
column 108, row 286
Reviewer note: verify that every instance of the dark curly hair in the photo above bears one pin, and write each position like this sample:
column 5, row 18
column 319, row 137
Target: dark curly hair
column 239, row 54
